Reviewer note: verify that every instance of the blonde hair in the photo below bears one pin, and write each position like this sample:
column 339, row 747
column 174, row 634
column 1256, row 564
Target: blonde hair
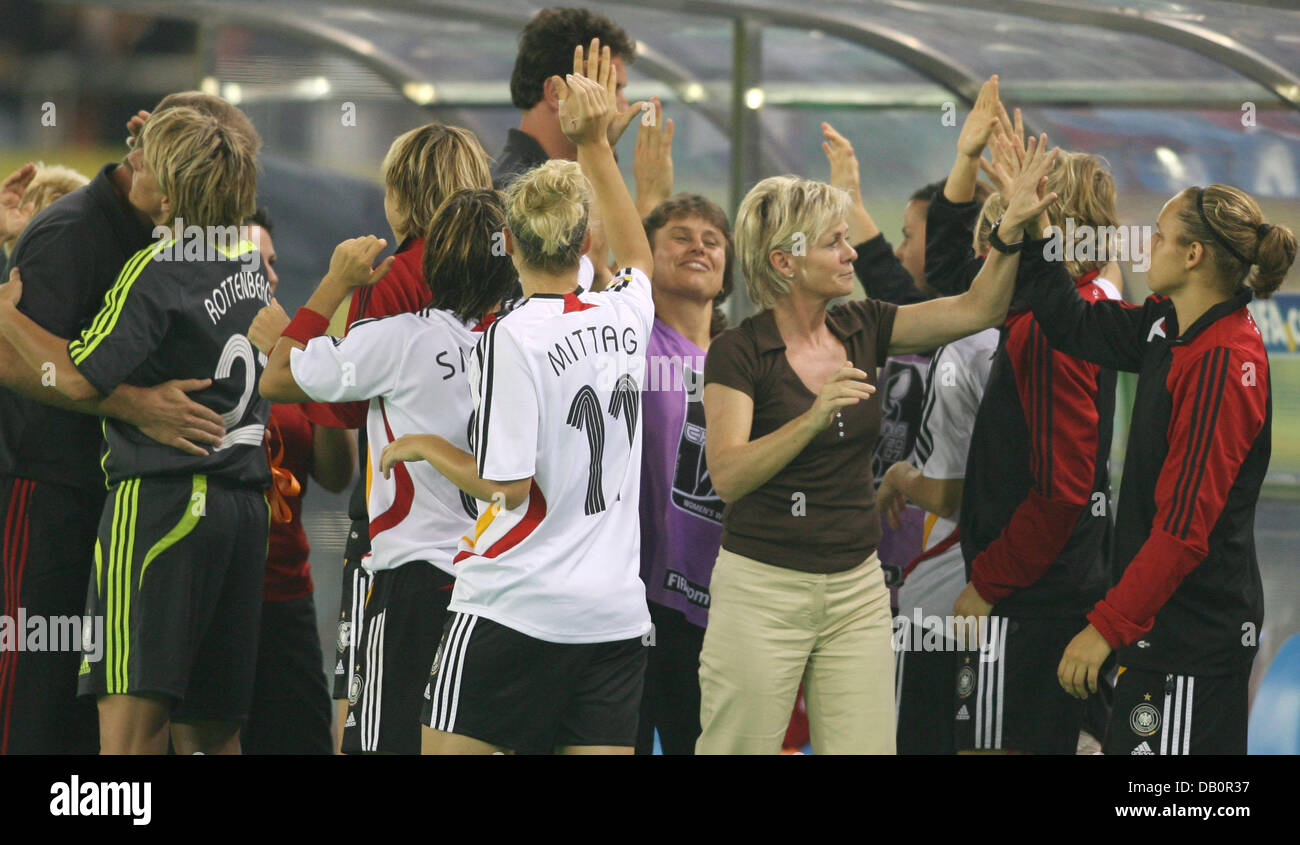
column 1086, row 195
column 546, row 212
column 207, row 170
column 1232, row 217
column 425, row 166
column 782, row 213
column 993, row 209
column 226, row 114
column 50, row 182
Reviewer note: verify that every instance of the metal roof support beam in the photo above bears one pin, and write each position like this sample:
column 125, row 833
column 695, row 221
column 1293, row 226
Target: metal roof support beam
column 1201, row 40
column 746, row 74
column 899, row 46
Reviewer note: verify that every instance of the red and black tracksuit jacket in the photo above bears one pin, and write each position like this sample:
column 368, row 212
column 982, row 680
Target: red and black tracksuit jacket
column 1188, row 597
column 1035, row 524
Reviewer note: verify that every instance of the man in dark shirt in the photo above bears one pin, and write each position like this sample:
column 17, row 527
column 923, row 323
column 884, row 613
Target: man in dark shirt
column 546, row 51
column 51, row 483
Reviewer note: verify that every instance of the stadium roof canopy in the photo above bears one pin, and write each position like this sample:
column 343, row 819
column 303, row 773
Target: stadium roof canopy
column 722, row 57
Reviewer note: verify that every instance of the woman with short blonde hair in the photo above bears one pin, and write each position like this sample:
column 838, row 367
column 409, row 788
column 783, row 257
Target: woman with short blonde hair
column 797, row 591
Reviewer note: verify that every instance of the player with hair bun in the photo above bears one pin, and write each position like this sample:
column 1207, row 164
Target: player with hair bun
column 1185, row 615
column 410, row 367
column 545, row 648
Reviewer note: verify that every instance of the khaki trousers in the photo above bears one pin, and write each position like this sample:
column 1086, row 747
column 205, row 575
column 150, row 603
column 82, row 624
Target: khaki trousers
column 771, row 628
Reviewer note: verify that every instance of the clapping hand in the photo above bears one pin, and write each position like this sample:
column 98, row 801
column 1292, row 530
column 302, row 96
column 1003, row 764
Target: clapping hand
column 1026, row 182
column 588, row 103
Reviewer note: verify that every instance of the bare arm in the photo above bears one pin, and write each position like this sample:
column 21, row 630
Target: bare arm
column 41, row 350
column 457, row 465
column 738, row 465
column 164, row 413
column 939, row 496
column 350, row 267
column 333, row 455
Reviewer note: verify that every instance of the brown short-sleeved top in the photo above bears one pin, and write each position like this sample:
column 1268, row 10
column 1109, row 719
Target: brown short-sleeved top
column 818, row 514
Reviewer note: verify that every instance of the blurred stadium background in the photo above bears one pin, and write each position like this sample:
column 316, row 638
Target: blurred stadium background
column 1171, row 93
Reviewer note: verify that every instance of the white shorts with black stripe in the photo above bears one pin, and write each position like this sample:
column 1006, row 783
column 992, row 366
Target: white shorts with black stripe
column 404, row 615
column 1163, row 713
column 492, row 683
column 1007, row 696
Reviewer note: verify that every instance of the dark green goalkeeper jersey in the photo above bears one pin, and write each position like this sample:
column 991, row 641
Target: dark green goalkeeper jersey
column 166, row 318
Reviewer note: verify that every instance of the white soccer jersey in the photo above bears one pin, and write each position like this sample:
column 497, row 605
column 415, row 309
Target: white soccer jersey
column 953, row 392
column 557, row 386
column 412, row 369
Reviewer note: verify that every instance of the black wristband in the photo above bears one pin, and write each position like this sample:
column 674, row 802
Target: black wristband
column 1001, row 246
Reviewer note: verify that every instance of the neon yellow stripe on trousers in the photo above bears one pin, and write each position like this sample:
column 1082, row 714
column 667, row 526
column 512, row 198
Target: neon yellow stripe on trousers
column 194, row 511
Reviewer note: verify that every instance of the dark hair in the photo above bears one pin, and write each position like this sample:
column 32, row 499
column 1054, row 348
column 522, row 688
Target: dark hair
column 695, row 205
column 546, row 49
column 262, row 218
column 465, row 263
column 927, row 193
column 1230, row 225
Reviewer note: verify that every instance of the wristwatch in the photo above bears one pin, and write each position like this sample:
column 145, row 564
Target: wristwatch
column 1001, row 246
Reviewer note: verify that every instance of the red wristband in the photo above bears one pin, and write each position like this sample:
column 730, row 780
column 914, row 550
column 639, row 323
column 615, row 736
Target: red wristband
column 305, row 325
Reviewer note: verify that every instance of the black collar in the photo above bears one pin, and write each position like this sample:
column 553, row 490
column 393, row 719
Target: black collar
column 524, row 148
column 1235, row 303
column 575, row 292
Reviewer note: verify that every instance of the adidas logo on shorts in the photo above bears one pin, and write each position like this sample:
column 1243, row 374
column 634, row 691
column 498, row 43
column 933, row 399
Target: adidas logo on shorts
column 1144, row 748
column 351, row 722
column 963, row 715
column 428, row 691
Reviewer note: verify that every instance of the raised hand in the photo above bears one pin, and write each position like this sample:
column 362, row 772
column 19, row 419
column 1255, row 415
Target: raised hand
column 351, row 265
column 587, row 97
column 1024, row 196
column 133, row 126
column 13, row 214
column 843, row 161
column 652, row 160
column 984, row 118
column 267, row 327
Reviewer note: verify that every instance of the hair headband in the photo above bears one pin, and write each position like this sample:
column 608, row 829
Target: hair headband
column 1200, row 209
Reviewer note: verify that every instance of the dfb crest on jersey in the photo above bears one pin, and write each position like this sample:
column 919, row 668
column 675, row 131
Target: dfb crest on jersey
column 1144, row 720
column 345, row 635
column 354, row 691
column 965, row 681
column 437, row 657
